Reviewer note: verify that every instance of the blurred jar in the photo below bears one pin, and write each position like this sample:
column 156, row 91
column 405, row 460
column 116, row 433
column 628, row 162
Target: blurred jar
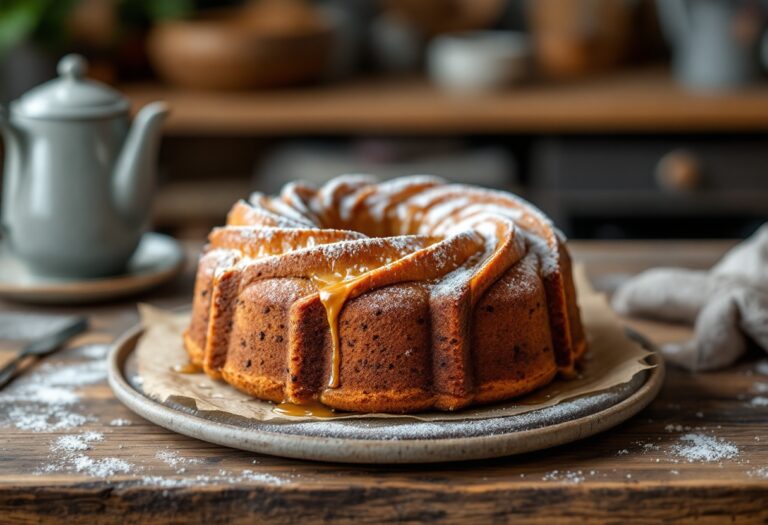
column 715, row 42
column 573, row 38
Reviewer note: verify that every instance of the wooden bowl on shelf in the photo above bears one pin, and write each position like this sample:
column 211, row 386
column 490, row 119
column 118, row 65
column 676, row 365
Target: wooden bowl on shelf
column 435, row 17
column 240, row 49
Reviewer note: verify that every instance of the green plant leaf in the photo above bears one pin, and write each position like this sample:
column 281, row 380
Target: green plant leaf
column 18, row 19
column 169, row 9
column 41, row 21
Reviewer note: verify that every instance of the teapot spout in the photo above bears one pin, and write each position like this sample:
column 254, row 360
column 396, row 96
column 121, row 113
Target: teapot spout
column 133, row 181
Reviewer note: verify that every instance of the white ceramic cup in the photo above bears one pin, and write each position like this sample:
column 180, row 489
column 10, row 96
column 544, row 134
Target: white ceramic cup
column 479, row 61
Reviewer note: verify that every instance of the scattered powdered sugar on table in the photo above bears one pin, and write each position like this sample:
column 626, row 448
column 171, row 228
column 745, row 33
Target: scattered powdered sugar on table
column 71, row 454
column 223, row 477
column 761, row 473
column 100, row 468
column 24, row 392
column 91, row 351
column 31, row 405
column 68, row 455
column 179, row 464
column 41, row 401
column 44, row 401
column 759, row 401
column 704, row 448
column 760, row 388
column 76, row 442
column 75, row 375
column 762, row 367
column 51, row 418
column 566, row 476
column 692, row 446
column 175, row 461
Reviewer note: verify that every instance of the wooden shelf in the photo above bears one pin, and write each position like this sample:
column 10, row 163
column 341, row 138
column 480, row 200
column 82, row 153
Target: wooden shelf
column 645, row 100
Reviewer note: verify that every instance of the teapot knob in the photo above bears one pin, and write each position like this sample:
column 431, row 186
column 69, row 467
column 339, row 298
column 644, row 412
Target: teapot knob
column 73, row 66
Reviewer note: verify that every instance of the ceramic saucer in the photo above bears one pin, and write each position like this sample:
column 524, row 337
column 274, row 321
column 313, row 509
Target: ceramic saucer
column 157, row 259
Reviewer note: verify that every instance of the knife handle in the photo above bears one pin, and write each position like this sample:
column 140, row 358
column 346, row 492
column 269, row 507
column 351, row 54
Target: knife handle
column 9, row 370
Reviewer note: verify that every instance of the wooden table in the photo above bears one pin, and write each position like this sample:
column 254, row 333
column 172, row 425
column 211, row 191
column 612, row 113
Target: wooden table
column 631, row 473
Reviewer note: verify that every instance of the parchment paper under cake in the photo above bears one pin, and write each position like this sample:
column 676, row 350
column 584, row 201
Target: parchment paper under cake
column 613, row 359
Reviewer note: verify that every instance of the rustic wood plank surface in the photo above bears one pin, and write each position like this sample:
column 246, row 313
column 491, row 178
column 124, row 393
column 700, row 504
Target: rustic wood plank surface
column 633, row 100
column 632, row 473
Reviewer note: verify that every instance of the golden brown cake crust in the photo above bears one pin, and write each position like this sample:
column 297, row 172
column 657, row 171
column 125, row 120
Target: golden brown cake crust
column 401, row 296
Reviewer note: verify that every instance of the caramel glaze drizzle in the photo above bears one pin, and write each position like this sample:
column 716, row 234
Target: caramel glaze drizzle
column 334, row 289
column 187, row 368
column 313, row 409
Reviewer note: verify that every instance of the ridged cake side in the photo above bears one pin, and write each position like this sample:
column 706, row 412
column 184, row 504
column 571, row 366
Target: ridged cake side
column 385, row 297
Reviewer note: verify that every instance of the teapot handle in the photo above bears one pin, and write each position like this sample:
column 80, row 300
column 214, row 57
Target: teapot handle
column 11, row 143
column 4, row 123
column 7, row 129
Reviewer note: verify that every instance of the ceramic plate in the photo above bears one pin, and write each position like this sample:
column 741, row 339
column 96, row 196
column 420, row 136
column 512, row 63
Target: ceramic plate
column 157, row 259
column 396, row 440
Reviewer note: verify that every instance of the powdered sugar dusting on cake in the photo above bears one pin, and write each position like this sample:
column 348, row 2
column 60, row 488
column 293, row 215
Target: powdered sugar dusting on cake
column 443, row 211
column 273, row 287
column 454, row 283
column 549, row 261
column 381, row 200
column 400, row 184
column 284, row 210
column 404, row 244
column 291, row 195
column 219, row 260
column 336, row 189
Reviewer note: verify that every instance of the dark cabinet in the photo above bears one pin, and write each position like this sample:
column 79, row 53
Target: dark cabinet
column 651, row 186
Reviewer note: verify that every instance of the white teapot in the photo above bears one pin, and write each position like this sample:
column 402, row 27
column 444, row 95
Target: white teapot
column 79, row 178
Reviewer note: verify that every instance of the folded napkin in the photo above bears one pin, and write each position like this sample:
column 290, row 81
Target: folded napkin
column 728, row 304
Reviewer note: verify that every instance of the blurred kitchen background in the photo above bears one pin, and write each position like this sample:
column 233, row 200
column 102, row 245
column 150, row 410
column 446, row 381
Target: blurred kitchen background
column 620, row 118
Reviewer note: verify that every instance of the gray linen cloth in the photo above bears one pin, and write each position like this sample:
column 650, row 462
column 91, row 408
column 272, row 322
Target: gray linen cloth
column 727, row 304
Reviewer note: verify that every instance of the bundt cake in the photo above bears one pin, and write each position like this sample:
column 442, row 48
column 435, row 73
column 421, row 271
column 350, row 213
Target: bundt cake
column 397, row 296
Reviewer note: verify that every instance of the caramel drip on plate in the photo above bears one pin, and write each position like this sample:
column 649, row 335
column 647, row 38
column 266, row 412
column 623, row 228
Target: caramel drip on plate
column 314, row 409
column 187, row 368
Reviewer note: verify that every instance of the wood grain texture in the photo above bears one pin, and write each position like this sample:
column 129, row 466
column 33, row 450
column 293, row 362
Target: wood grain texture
column 644, row 484
column 634, row 100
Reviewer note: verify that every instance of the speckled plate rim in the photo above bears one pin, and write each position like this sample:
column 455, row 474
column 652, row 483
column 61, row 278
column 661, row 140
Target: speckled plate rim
column 79, row 291
column 288, row 440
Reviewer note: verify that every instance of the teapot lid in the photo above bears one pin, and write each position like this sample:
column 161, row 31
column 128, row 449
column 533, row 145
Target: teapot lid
column 70, row 96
